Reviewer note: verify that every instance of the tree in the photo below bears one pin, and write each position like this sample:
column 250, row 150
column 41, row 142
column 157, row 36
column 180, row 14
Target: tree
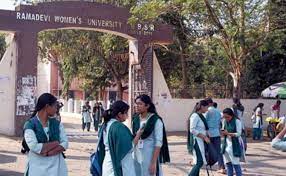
column 2, row 45
column 236, row 27
column 268, row 64
column 87, row 55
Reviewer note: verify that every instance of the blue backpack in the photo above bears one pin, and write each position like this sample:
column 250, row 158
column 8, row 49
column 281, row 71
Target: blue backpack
column 96, row 159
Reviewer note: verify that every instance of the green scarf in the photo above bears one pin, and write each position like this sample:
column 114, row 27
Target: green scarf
column 149, row 128
column 120, row 143
column 35, row 125
column 231, row 128
column 190, row 139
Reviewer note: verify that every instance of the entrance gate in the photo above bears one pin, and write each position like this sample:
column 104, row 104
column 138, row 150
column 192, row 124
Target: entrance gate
column 26, row 21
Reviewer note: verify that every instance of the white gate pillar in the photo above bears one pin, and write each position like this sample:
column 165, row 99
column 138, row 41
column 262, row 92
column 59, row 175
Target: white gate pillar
column 133, row 59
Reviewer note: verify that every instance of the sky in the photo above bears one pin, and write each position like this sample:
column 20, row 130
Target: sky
column 7, row 5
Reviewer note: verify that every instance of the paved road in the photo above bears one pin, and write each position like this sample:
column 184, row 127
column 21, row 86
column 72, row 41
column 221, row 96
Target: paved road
column 262, row 160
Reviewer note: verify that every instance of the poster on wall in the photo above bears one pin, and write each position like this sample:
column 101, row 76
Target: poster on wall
column 26, row 95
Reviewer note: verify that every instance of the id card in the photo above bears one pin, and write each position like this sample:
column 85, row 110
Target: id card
column 140, row 144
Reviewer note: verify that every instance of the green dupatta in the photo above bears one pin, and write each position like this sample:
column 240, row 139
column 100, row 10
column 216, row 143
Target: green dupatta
column 35, row 125
column 190, row 139
column 231, row 128
column 149, row 128
column 120, row 143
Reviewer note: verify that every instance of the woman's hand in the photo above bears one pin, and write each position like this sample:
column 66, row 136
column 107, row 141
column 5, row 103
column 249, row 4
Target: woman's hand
column 48, row 147
column 138, row 135
column 55, row 151
column 224, row 133
column 207, row 140
column 231, row 134
column 139, row 132
column 152, row 168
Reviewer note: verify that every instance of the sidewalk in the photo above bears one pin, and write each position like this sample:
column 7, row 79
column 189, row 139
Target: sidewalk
column 262, row 160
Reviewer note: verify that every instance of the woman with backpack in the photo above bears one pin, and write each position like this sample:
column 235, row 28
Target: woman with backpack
column 197, row 137
column 115, row 150
column 231, row 149
column 257, row 122
column 153, row 144
column 46, row 140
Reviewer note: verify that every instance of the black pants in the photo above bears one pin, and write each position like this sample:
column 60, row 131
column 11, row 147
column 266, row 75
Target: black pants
column 216, row 141
column 95, row 123
column 87, row 125
column 200, row 162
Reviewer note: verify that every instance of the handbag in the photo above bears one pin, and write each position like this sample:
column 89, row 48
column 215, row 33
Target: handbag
column 211, row 154
column 95, row 168
column 95, row 164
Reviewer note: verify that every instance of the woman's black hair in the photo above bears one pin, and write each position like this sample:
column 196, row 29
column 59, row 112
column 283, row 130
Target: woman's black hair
column 147, row 100
column 43, row 100
column 260, row 105
column 117, row 107
column 200, row 104
column 236, row 100
column 278, row 102
column 194, row 109
column 228, row 111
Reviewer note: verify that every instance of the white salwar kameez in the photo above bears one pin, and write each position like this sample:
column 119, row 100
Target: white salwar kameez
column 86, row 117
column 127, row 162
column 155, row 139
column 38, row 165
column 228, row 155
column 197, row 127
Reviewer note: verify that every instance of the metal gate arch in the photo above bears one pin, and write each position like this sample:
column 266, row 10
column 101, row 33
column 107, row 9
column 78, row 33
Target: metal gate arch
column 27, row 20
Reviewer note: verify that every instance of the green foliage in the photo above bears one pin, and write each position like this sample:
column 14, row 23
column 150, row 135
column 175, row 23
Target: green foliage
column 83, row 54
column 209, row 42
column 268, row 65
column 228, row 33
column 3, row 45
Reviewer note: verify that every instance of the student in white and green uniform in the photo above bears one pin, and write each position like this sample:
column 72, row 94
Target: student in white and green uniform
column 197, row 136
column 257, row 122
column 153, row 144
column 117, row 145
column 46, row 140
column 231, row 149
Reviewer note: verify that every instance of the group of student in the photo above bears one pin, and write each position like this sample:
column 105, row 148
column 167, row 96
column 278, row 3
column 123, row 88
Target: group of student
column 223, row 132
column 257, row 119
column 121, row 152
column 139, row 152
column 94, row 116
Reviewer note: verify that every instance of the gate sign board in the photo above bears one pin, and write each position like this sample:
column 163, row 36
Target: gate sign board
column 27, row 20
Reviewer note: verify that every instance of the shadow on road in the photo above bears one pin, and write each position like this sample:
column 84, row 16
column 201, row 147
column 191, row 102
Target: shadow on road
column 7, row 159
column 10, row 173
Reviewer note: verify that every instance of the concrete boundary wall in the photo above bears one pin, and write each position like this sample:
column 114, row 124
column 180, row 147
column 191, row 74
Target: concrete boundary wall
column 7, row 87
column 43, row 77
column 176, row 111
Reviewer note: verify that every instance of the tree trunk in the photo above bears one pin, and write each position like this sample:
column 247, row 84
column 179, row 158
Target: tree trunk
column 184, row 92
column 236, row 77
column 119, row 90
